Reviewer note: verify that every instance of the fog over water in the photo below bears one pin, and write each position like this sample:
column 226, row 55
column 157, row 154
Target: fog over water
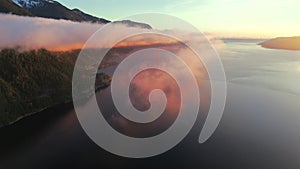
column 260, row 127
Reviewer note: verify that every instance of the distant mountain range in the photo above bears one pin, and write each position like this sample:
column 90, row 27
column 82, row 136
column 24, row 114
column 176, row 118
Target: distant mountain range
column 55, row 10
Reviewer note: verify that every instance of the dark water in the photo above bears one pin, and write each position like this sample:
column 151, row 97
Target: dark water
column 260, row 127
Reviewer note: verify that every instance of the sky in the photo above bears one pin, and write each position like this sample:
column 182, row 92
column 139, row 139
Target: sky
column 226, row 18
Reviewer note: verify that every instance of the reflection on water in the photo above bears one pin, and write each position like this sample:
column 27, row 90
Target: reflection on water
column 249, row 64
column 139, row 91
column 260, row 127
column 148, row 80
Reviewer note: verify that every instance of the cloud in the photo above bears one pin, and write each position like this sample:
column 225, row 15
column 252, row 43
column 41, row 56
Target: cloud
column 34, row 32
column 61, row 35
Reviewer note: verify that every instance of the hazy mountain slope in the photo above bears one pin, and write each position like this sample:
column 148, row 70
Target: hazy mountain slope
column 134, row 24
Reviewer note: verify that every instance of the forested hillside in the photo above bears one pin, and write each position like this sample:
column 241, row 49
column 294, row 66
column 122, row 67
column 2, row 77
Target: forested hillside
column 33, row 80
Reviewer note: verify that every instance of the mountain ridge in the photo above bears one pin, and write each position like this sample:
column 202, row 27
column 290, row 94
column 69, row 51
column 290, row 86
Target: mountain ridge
column 55, row 10
column 8, row 6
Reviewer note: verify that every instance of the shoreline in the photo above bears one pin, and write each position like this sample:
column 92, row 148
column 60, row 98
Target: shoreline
column 36, row 112
column 282, row 43
column 278, row 48
column 65, row 103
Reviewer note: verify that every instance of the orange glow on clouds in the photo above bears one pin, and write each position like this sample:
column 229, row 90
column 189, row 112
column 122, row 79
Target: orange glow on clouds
column 62, row 35
column 66, row 47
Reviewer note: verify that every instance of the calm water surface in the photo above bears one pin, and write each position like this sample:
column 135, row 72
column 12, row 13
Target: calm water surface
column 260, row 127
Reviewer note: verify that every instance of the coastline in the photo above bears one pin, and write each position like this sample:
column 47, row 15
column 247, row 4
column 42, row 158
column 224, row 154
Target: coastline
column 282, row 43
column 68, row 102
column 278, row 48
column 57, row 105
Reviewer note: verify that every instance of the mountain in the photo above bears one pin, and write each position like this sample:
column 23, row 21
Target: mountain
column 8, row 6
column 55, row 10
column 88, row 17
column 46, row 9
column 287, row 43
column 134, row 24
column 29, row 4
